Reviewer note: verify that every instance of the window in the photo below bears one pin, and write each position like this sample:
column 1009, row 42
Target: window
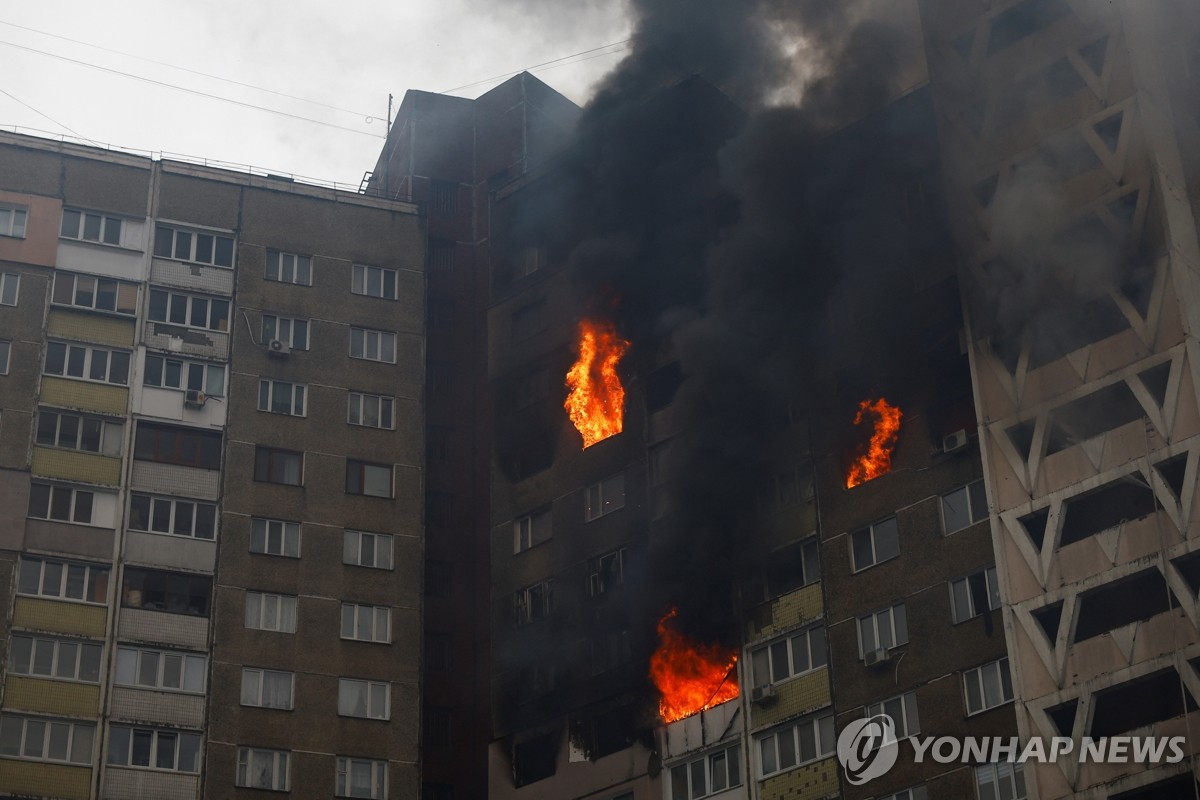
column 903, row 710
column 10, row 283
column 964, row 507
column 875, row 544
column 883, row 630
column 172, row 592
column 5, row 350
column 62, row 503
column 974, row 594
column 988, row 686
column 274, row 537
column 364, row 699
column 12, row 223
column 185, row 447
column 793, row 566
column 361, row 549
column 795, row 744
column 46, row 739
column 43, row 657
column 262, row 769
column 915, row 793
column 278, row 466
column 278, row 397
column 606, row 572
column 172, row 515
column 373, row 345
column 374, row 282
column 145, row 747
column 713, row 773
column 531, row 529
column 605, row 497
column 370, row 410
column 366, row 623
column 292, row 332
column 374, row 480
column 160, row 669
column 45, row 577
column 1005, row 781
column 178, row 373
column 87, row 363
column 100, row 294
column 528, row 260
column 266, row 688
column 198, row 246
column 175, row 308
column 77, row 432
column 791, row 487
column 794, row 655
column 289, row 268
column 358, row 777
column 534, row 602
column 270, row 612
column 90, row 227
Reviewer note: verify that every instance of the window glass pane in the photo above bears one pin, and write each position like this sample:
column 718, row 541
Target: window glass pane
column 204, row 248
column 887, row 539
column 189, row 752
column 863, row 555
column 679, row 782
column 779, row 660
column 118, row 745
column 112, row 231
column 974, row 701
column 162, row 242
column 91, row 227
column 699, row 786
column 70, row 224
column 43, row 657
column 866, row 634
column 19, row 656
column 68, row 658
column 35, row 739
column 81, row 744
column 884, row 629
column 165, row 754
column 183, row 245
column 787, row 747
column 766, row 753
column 962, row 604
column 172, row 674
column 60, row 737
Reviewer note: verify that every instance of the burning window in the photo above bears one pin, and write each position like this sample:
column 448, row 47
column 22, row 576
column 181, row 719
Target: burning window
column 596, row 401
column 903, row 710
column 788, row 657
column 974, row 594
column 606, row 572
column 707, row 775
column 534, row 602
column 963, row 507
column 875, row 544
column 605, row 497
column 795, row 744
column 690, row 676
column 877, row 459
column 882, row 630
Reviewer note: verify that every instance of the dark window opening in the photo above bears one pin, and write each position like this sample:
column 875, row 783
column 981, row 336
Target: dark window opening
column 661, row 386
column 173, row 592
column 1049, row 618
column 1035, row 526
column 1155, row 379
column 1063, row 716
column 1137, row 287
column 605, row 732
column 187, row 447
column 1021, row 436
column 1181, row 787
column 1124, row 500
column 1140, row 702
column 1068, row 328
column 1109, row 129
column 1094, row 55
column 534, row 760
column 1090, row 416
column 1172, row 471
column 1132, row 599
column 1189, row 566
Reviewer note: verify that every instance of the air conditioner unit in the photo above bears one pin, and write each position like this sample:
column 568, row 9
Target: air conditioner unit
column 763, row 695
column 194, row 398
column 876, row 657
column 954, row 441
column 279, row 348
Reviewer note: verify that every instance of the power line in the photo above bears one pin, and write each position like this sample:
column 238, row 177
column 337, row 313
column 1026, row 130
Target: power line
column 47, row 116
column 543, row 64
column 186, row 69
column 191, row 91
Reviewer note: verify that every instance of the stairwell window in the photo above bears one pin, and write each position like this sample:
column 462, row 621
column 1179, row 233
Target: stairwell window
column 988, row 686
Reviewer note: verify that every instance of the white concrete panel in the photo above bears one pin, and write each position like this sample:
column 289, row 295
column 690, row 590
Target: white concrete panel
column 181, row 275
column 100, row 259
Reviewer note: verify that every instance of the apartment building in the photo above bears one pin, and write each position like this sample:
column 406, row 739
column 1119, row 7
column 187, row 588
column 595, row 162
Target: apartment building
column 213, row 436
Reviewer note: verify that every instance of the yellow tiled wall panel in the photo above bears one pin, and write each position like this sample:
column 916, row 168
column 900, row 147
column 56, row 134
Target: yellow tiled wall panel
column 36, row 779
column 792, row 609
column 52, row 615
column 811, row 782
column 85, row 395
column 52, row 697
column 84, row 327
column 806, row 693
column 72, row 466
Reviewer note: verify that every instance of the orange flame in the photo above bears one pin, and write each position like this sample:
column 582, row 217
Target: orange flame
column 878, row 458
column 596, row 403
column 690, row 676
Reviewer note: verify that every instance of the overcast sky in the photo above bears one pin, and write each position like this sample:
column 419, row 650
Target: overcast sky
column 348, row 57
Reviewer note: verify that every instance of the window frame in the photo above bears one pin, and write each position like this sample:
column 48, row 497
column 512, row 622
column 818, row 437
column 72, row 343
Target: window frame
column 360, row 281
column 187, row 666
column 105, row 424
column 823, row 749
column 266, row 466
column 158, row 737
column 57, row 646
column 245, row 760
column 533, row 603
column 381, row 542
column 47, row 723
column 14, row 220
column 966, row 490
column 79, row 510
column 286, row 530
column 976, row 676
column 212, row 320
column 907, row 706
column 342, row 781
column 789, row 640
column 259, row 698
column 173, row 515
column 10, row 285
column 356, row 478
column 872, row 539
column 193, row 235
column 163, row 443
column 597, row 584
column 364, row 335
column 296, row 393
column 96, row 576
column 357, row 610
column 120, row 307
column 280, row 602
column 178, row 591
column 357, row 415
column 370, row 688
column 186, row 365
column 292, row 340
column 528, row 533
column 994, row 772
column 596, row 505
column 991, row 586
column 275, row 258
column 874, row 617
column 731, row 754
column 81, row 228
column 88, row 363
column 5, row 355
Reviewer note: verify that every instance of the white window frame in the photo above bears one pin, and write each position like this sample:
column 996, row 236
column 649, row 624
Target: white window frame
column 296, row 335
column 127, row 309
column 105, row 223
column 175, row 515
column 975, row 514
column 212, row 376
column 254, row 688
column 991, row 585
column 273, row 537
column 815, row 652
column 5, row 355
column 212, row 321
column 14, row 220
column 360, row 282
column 159, row 738
column 695, row 770
column 358, row 405
column 142, row 660
column 364, row 468
column 278, row 778
column 110, row 436
column 532, row 529
column 91, row 575
column 60, row 658
column 989, row 776
column 903, row 713
column 27, row 738
column 90, row 354
column 368, row 340
column 874, row 533
column 194, row 235
column 10, row 288
column 977, row 679
column 604, row 497
column 380, row 623
column 597, row 572
column 372, row 689
column 875, row 618
column 345, row 766
column 534, row 602
column 823, row 736
column 356, row 545
column 293, row 395
column 279, row 263
column 262, row 600
column 79, row 513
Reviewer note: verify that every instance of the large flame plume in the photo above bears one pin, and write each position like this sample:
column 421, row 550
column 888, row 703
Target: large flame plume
column 690, row 676
column 877, row 460
column 596, row 402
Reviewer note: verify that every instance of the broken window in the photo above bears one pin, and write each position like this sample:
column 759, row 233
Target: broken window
column 974, row 594
column 1131, row 599
column 606, row 572
column 534, row 602
column 791, row 567
column 964, row 507
column 1124, row 500
column 534, row 759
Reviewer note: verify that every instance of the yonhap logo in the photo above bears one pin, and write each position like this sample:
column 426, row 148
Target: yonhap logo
column 867, row 748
